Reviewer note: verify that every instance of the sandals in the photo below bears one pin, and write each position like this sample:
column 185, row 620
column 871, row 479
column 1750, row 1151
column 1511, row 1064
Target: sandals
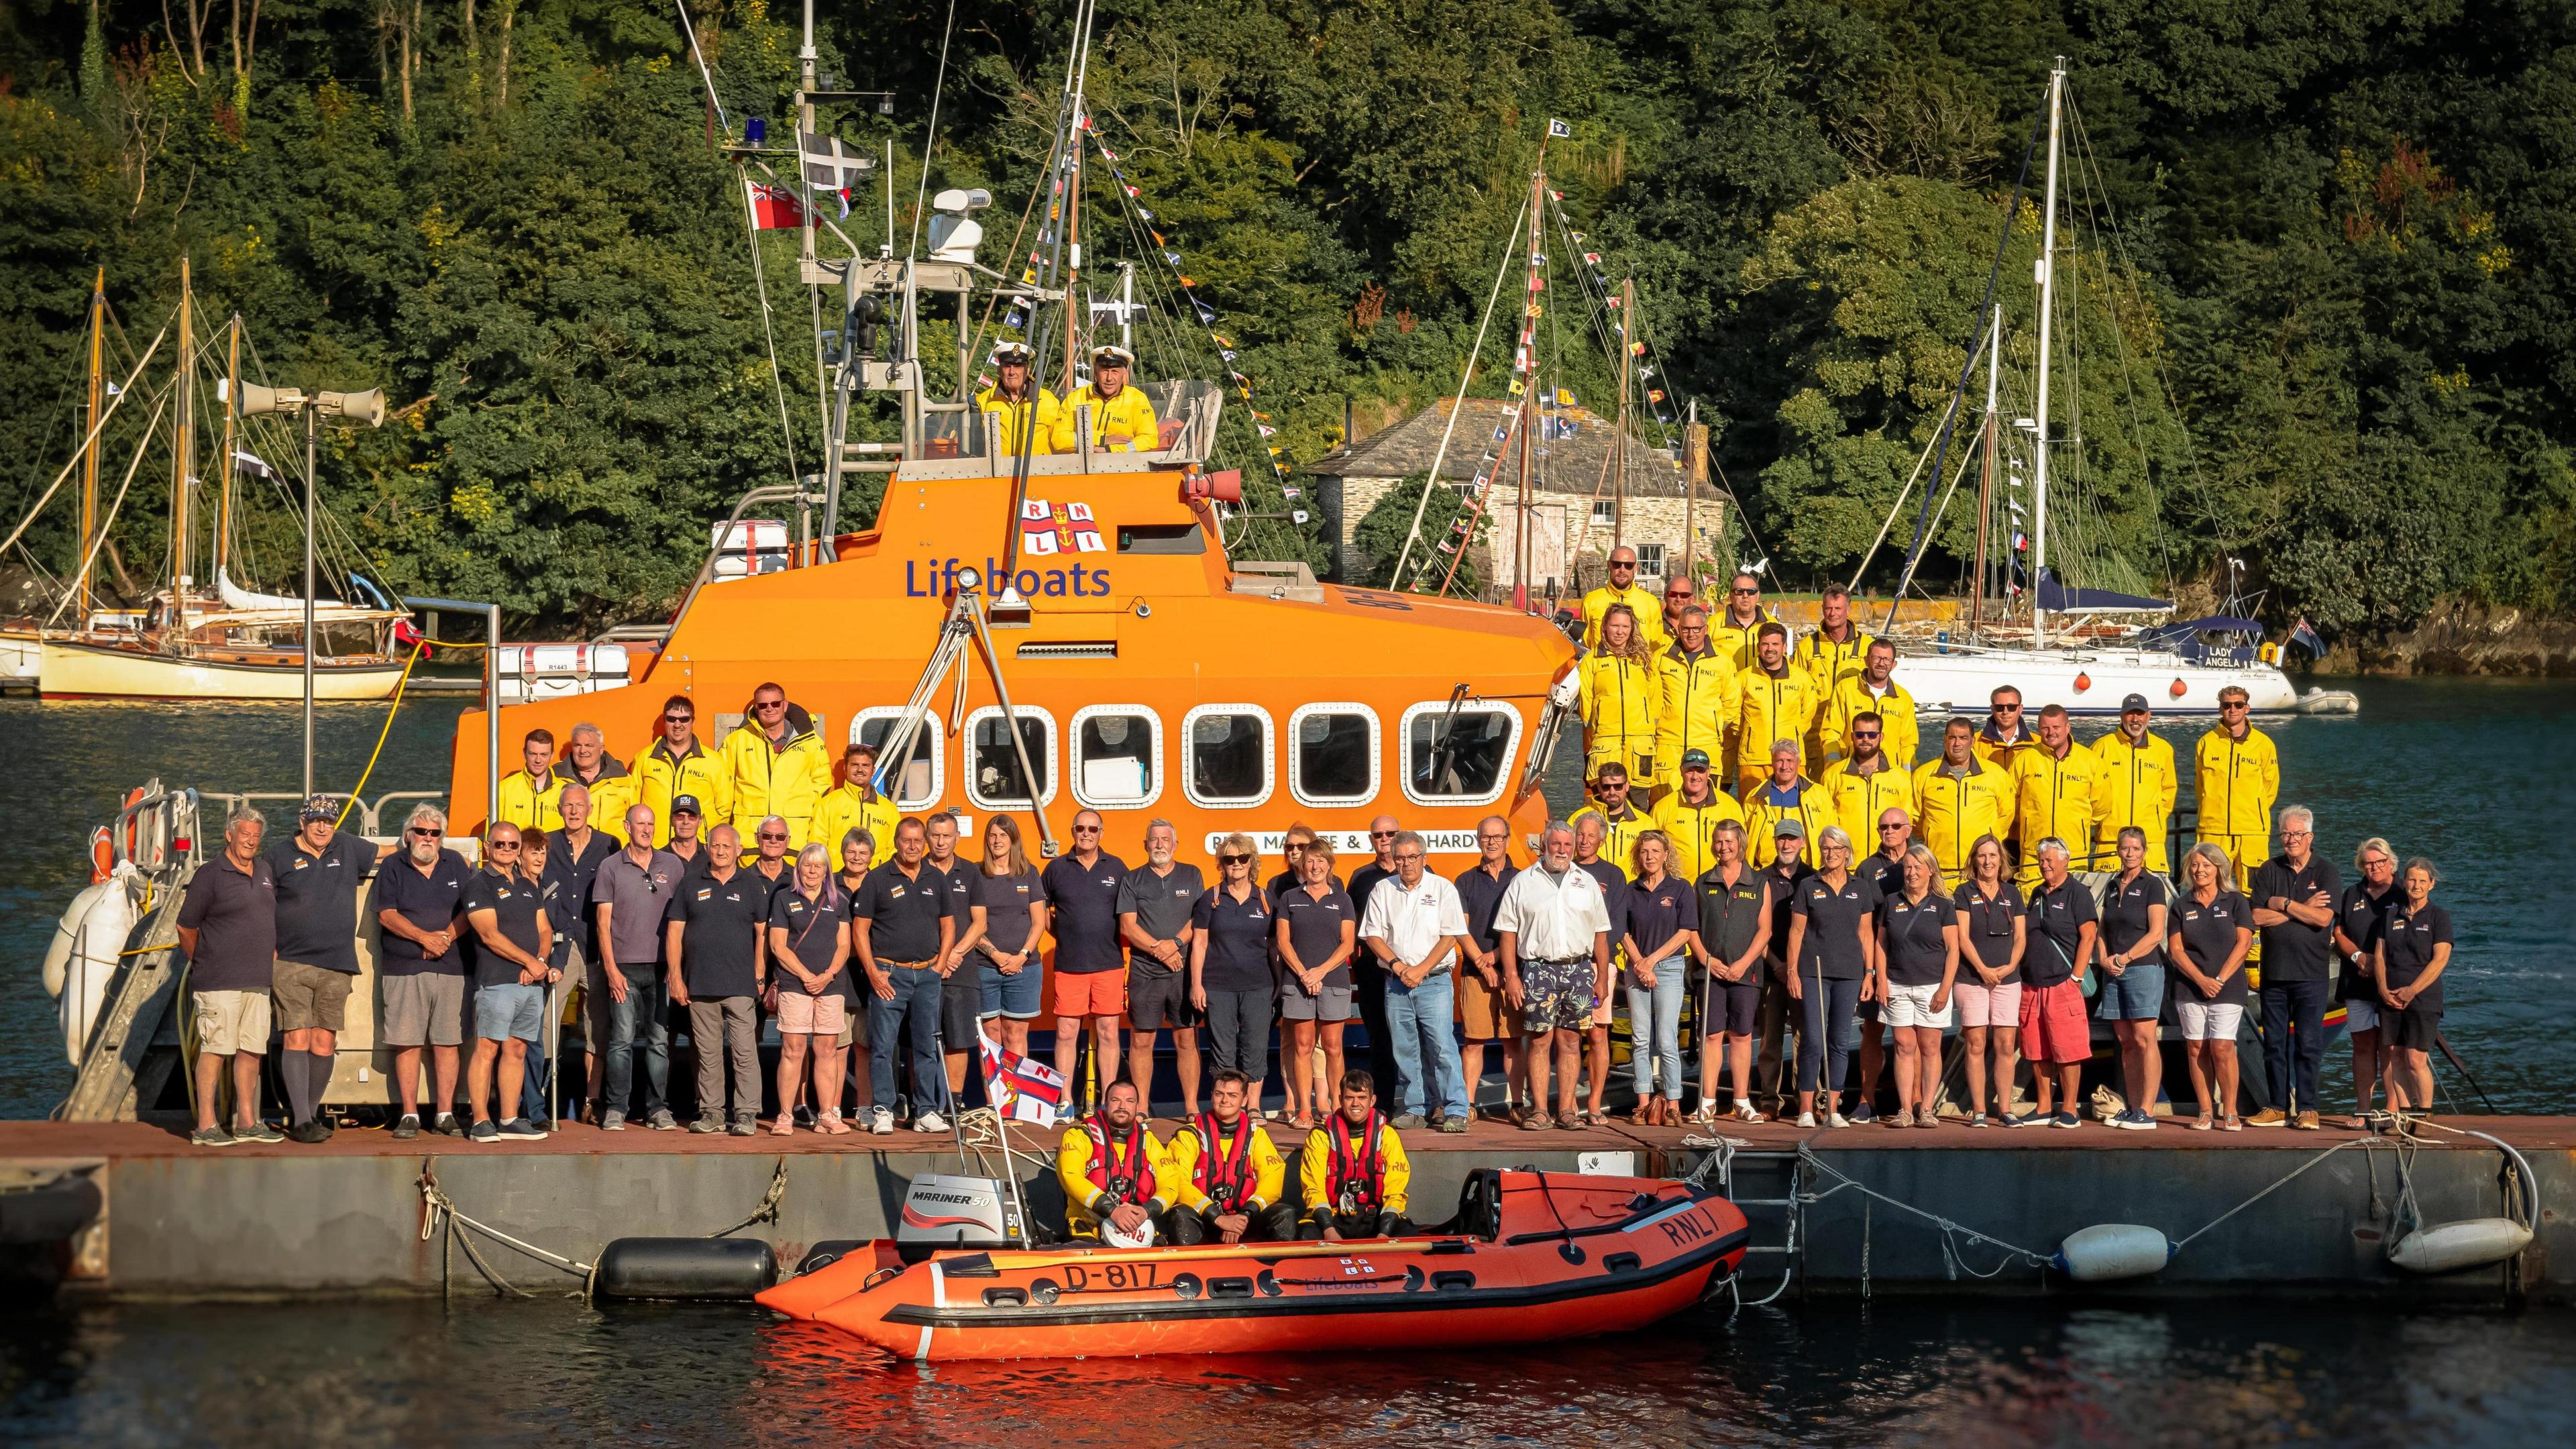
column 2231, row 1123
column 2202, row 1123
column 1537, row 1122
column 1745, row 1112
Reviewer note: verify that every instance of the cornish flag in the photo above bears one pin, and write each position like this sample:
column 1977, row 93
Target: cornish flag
column 1022, row 1090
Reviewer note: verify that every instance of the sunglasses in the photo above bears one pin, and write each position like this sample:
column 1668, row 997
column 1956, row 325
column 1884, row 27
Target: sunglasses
column 427, row 834
column 1234, row 860
column 2226, row 704
column 1864, row 734
column 1891, row 825
column 774, row 704
column 1086, row 830
column 1621, row 564
column 498, row 846
column 678, row 718
column 769, row 835
column 1744, row 591
column 1381, row 835
column 2007, row 709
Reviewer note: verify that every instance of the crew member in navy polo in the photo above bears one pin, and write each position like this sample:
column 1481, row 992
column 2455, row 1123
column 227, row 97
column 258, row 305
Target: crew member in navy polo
column 228, row 927
column 420, row 904
column 319, row 870
column 899, row 930
column 1090, row 969
column 718, row 920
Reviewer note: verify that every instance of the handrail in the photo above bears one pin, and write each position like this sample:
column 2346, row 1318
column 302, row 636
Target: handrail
column 491, row 691
column 765, row 493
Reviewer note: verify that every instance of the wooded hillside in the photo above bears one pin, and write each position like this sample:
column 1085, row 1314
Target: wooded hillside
column 2329, row 328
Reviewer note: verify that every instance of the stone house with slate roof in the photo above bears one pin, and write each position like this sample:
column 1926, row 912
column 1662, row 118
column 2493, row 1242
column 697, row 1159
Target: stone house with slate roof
column 1571, row 495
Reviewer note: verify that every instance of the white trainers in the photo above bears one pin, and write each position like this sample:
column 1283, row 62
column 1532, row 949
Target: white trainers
column 1838, row 1120
column 929, row 1122
column 881, row 1121
column 1806, row 1119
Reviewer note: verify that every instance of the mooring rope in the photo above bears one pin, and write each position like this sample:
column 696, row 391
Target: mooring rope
column 439, row 1210
column 767, row 1212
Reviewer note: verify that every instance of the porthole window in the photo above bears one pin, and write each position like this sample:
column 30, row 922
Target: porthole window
column 1461, row 757
column 1117, row 756
column 1228, row 763
column 993, row 774
column 918, row 785
column 1332, row 754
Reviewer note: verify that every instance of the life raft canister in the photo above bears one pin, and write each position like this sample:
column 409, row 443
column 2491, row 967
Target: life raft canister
column 1228, row 1180
column 1357, row 1171
column 1135, row 1185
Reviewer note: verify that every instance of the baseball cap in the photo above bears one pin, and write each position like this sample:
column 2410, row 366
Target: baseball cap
column 1787, row 827
column 318, row 807
column 685, row 805
column 2135, row 701
column 1694, row 759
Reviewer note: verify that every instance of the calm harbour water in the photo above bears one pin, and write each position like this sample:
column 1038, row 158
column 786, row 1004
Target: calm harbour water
column 2461, row 771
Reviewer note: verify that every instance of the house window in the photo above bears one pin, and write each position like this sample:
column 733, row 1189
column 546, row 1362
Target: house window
column 1229, row 755
column 1605, row 512
column 1650, row 559
column 917, row 786
column 993, row 777
column 1460, row 758
column 1117, row 755
column 1333, row 754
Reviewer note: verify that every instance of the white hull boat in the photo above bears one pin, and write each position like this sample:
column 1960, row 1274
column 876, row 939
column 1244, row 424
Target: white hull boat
column 2089, row 680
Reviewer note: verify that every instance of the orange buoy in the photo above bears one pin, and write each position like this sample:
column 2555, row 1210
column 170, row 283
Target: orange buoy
column 102, row 855
column 2179, row 689
column 133, row 823
column 2083, row 682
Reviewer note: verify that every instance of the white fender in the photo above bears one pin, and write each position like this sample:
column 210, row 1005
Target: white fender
column 2449, row 1247
column 93, row 960
column 58, row 955
column 2106, row 1251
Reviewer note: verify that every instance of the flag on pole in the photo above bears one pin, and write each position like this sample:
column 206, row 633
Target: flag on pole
column 1022, row 1090
column 830, row 165
column 2306, row 638
column 1556, row 127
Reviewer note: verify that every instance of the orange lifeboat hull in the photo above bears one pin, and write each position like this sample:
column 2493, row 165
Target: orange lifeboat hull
column 1568, row 1257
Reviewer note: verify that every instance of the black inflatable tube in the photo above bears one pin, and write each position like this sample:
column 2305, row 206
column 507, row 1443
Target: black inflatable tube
column 708, row 1269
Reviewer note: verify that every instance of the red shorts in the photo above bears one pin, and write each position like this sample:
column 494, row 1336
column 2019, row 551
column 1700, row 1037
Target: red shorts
column 2054, row 1027
column 1088, row 993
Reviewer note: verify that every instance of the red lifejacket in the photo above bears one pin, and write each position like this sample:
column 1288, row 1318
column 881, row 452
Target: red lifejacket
column 1355, row 1177
column 1228, row 1180
column 1136, row 1182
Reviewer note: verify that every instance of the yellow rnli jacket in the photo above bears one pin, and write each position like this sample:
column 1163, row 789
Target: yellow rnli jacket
column 1085, row 1203
column 2061, row 797
column 2140, row 783
column 1015, row 413
column 1641, row 602
column 1696, row 699
column 1690, row 827
column 1767, row 804
column 783, row 782
column 610, row 794
column 2238, row 781
column 1315, row 1167
column 662, row 777
column 532, row 802
column 1737, row 641
column 1773, row 709
column 1829, row 662
column 1123, row 424
column 1860, row 799
column 1952, row 811
column 1900, row 732
column 2000, row 753
column 842, row 809
column 1619, row 837
column 1269, row 1169
column 1617, row 698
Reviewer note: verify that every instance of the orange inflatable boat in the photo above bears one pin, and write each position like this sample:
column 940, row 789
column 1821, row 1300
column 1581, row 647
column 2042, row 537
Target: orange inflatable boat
column 1532, row 1257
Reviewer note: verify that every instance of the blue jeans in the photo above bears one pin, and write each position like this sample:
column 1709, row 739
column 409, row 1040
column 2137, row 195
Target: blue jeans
column 638, row 1025
column 2137, row 994
column 2294, row 1041
column 1419, row 1020
column 915, row 1005
column 1658, row 1011
column 1828, row 1031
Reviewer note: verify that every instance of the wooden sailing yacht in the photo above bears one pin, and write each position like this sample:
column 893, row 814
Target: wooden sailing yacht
column 187, row 641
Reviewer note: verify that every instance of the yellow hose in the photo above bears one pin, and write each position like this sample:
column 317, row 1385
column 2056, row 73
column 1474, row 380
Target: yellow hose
column 381, row 736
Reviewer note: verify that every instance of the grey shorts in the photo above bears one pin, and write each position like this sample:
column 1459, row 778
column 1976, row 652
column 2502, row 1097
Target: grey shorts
column 424, row 1008
column 310, row 996
column 510, row 1010
column 1157, row 999
column 1334, row 1004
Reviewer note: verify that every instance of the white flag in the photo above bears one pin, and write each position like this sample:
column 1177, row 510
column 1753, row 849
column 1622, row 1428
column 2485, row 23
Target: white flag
column 1556, row 127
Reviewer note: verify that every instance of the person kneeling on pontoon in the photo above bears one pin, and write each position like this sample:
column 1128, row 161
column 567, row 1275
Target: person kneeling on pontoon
column 1227, row 1175
column 1355, row 1172
column 1112, row 1169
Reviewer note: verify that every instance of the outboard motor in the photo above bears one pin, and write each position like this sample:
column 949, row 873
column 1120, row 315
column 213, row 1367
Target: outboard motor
column 941, row 1211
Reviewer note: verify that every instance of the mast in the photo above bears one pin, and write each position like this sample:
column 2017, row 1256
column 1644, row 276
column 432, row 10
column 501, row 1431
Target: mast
column 89, row 462
column 1986, row 476
column 1619, row 443
column 2047, row 307
column 232, row 413
column 183, row 447
column 1529, row 393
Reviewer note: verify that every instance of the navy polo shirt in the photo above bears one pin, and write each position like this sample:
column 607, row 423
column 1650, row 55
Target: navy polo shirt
column 2124, row 917
column 2209, row 934
column 429, row 901
column 1084, row 900
column 720, row 923
column 2411, row 937
column 1480, row 896
column 903, row 913
column 2060, row 916
column 1315, row 929
column 1238, row 938
column 2295, row 950
column 813, row 930
column 514, row 902
column 1652, row 917
column 1987, row 927
column 1916, row 951
column 1835, row 919
column 234, row 913
column 317, row 899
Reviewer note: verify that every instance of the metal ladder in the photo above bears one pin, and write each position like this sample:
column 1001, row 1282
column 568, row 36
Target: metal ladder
column 1765, row 1184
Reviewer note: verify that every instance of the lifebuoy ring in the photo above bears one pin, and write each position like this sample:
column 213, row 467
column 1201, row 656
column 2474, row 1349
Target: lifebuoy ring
column 133, row 823
column 102, row 855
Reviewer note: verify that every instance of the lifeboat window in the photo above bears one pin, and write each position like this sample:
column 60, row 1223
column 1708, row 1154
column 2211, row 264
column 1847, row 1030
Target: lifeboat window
column 918, row 785
column 1332, row 757
column 1117, row 755
column 1229, row 755
column 1161, row 538
column 993, row 777
column 1458, row 758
